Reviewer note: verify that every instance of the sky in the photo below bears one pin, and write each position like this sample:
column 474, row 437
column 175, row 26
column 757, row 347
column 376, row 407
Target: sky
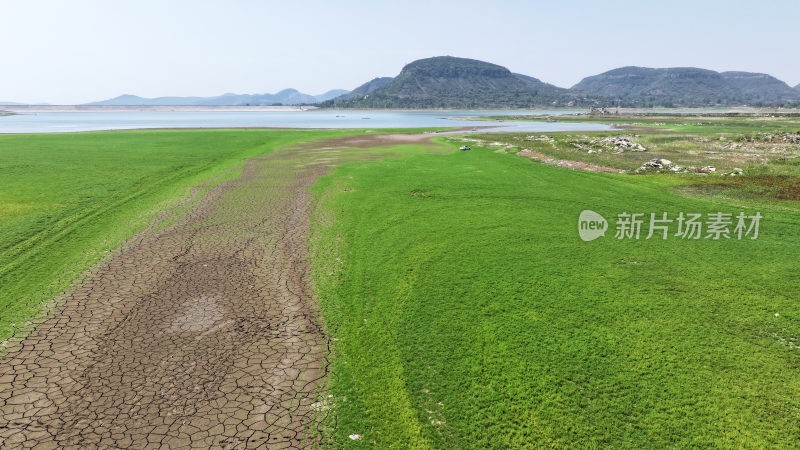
column 77, row 51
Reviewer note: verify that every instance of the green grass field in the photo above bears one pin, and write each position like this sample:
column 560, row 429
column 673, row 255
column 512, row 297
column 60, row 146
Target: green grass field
column 467, row 312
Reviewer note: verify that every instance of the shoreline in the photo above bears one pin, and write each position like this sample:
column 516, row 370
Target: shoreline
column 230, row 108
column 7, row 110
column 22, row 109
column 412, row 130
column 433, row 131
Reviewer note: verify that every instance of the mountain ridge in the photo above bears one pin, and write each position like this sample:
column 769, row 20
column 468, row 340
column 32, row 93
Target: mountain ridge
column 460, row 83
column 451, row 82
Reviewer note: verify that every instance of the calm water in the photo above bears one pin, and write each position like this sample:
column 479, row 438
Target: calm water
column 54, row 122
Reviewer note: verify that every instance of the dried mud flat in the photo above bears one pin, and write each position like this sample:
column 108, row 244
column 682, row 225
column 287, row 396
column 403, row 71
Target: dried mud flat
column 201, row 334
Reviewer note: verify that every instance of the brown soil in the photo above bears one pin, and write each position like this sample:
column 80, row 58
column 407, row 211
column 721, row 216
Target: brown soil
column 376, row 140
column 618, row 126
column 778, row 187
column 202, row 334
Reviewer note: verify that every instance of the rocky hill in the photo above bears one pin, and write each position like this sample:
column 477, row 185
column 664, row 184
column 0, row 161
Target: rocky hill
column 450, row 82
column 760, row 87
column 686, row 86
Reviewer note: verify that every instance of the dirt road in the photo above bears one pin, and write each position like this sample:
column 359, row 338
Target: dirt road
column 202, row 334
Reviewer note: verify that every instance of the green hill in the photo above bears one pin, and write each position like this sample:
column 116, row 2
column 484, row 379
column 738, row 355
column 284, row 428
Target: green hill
column 450, row 82
column 686, row 86
column 760, row 87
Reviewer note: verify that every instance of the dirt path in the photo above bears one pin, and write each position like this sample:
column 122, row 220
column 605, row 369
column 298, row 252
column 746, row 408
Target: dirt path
column 204, row 334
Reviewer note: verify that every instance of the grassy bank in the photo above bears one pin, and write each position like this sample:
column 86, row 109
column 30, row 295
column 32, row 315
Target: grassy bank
column 68, row 199
column 467, row 313
column 697, row 122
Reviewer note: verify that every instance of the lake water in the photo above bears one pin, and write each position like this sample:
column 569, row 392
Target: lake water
column 55, row 122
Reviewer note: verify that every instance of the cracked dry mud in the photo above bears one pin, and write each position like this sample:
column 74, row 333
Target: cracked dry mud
column 202, row 334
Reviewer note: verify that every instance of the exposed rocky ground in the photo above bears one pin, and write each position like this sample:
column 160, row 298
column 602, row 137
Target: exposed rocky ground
column 723, row 154
column 538, row 156
column 665, row 165
column 615, row 144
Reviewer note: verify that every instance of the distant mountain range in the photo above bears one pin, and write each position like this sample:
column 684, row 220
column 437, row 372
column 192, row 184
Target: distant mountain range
column 450, row 82
column 284, row 97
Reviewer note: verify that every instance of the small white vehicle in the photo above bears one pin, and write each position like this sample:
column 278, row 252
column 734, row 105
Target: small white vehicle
column 464, row 147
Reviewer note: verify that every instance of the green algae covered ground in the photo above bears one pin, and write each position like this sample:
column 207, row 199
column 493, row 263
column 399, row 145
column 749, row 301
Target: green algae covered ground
column 467, row 312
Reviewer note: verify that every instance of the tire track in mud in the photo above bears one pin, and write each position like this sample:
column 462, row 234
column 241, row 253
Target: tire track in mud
column 202, row 334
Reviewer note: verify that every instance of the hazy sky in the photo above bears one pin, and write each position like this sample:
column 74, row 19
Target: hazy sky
column 76, row 51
